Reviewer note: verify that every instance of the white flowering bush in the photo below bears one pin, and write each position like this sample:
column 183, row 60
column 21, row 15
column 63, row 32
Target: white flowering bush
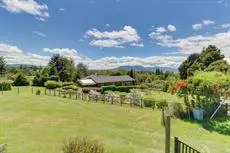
column 112, row 97
column 135, row 97
column 94, row 95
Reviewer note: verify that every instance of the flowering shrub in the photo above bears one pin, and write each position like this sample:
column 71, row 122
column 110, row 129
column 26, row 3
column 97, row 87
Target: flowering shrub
column 111, row 97
column 135, row 97
column 94, row 95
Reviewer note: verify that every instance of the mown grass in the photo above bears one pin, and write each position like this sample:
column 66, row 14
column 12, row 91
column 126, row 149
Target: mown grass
column 40, row 124
column 163, row 96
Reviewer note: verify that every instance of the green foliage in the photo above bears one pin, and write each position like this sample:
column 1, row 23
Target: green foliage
column 70, row 87
column 38, row 92
column 40, row 79
column 126, row 89
column 210, row 59
column 5, row 85
column 88, row 89
column 149, row 102
column 161, row 104
column 219, row 65
column 68, row 84
column 21, row 80
column 61, row 66
column 82, row 71
column 3, row 65
column 52, row 84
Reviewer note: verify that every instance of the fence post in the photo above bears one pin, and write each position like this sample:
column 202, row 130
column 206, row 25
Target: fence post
column 59, row 93
column 45, row 91
column 167, row 134
column 2, row 89
column 54, row 92
column 18, row 90
column 141, row 102
column 176, row 145
column 49, row 92
column 32, row 90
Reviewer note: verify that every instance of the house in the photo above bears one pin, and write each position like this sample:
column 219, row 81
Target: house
column 101, row 80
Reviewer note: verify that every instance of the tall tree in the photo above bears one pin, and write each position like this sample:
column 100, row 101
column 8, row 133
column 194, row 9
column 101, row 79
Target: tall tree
column 202, row 61
column 3, row 66
column 65, row 67
column 82, row 70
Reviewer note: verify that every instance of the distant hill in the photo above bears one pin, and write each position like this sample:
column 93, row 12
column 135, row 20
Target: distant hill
column 146, row 69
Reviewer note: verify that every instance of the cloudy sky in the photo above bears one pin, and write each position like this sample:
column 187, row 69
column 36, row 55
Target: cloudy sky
column 110, row 33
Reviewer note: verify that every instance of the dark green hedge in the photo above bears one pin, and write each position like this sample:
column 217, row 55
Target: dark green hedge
column 117, row 88
column 6, row 85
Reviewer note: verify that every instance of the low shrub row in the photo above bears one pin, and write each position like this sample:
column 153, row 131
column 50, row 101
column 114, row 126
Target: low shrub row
column 126, row 89
column 5, row 85
column 52, row 84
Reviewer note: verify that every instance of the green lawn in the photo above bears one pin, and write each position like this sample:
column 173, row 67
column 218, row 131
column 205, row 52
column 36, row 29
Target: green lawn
column 163, row 96
column 39, row 124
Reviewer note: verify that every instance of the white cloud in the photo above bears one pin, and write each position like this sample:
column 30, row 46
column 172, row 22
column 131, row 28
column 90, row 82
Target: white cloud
column 171, row 28
column 161, row 29
column 195, row 43
column 40, row 18
column 39, row 33
column 197, row 26
column 107, row 25
column 27, row 6
column 224, row 26
column 61, row 9
column 14, row 55
column 208, row 22
column 122, row 38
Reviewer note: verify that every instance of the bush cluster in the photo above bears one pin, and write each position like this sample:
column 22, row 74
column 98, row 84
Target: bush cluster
column 149, row 102
column 68, row 84
column 70, row 87
column 21, row 80
column 82, row 145
column 126, row 89
column 52, row 84
column 5, row 85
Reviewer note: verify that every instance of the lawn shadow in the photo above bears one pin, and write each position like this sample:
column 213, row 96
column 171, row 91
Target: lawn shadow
column 220, row 125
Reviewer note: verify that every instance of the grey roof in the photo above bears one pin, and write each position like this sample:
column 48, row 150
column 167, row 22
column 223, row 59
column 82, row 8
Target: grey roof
column 110, row 79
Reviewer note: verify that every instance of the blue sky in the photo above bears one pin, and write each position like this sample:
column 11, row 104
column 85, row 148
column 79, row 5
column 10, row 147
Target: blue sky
column 110, row 33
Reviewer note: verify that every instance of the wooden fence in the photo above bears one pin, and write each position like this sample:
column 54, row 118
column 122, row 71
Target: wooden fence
column 121, row 99
column 181, row 147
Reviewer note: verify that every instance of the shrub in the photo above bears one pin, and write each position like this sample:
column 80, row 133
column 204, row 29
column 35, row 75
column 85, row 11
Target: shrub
column 52, row 84
column 21, row 80
column 5, row 85
column 161, row 104
column 87, row 89
column 70, row 87
column 38, row 92
column 82, row 145
column 149, row 102
column 54, row 78
column 126, row 89
column 68, row 84
column 40, row 79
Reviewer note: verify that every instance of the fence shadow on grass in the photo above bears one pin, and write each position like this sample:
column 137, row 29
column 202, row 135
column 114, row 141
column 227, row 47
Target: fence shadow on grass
column 219, row 125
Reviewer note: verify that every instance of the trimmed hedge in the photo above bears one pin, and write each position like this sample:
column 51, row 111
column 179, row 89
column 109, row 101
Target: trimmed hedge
column 149, row 103
column 6, row 85
column 126, row 89
column 52, row 84
column 68, row 84
column 87, row 89
column 72, row 87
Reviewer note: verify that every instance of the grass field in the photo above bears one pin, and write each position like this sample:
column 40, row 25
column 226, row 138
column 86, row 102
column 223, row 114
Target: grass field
column 39, row 124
